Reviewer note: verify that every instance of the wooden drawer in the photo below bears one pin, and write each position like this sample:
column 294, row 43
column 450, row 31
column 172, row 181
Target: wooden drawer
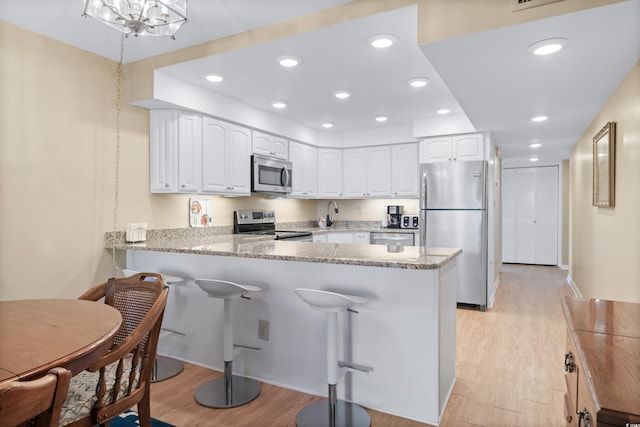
column 580, row 398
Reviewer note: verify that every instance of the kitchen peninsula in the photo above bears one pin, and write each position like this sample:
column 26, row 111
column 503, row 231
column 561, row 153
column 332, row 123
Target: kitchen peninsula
column 406, row 332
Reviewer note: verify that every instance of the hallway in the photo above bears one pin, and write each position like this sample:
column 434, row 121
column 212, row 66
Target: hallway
column 509, row 368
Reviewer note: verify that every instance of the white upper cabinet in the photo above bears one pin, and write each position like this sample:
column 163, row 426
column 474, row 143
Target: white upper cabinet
column 304, row 162
column 269, row 145
column 452, row 148
column 404, row 170
column 329, row 173
column 189, row 152
column 163, row 151
column 367, row 172
column 196, row 154
column 225, row 158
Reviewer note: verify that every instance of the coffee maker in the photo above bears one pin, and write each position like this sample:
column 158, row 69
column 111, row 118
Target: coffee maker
column 394, row 213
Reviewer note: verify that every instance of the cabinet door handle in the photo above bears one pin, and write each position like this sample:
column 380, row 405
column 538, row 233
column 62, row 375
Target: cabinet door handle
column 569, row 366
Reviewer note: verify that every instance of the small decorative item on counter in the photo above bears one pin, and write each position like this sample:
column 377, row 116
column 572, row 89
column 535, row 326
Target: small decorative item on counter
column 322, row 222
column 200, row 212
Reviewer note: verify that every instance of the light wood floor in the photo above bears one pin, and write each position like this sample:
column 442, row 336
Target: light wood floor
column 509, row 368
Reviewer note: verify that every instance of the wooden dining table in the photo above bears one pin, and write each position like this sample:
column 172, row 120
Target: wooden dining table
column 39, row 334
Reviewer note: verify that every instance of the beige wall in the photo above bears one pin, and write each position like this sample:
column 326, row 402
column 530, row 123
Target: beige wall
column 605, row 242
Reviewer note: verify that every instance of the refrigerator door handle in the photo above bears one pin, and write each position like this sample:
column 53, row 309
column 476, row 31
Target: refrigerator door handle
column 423, row 189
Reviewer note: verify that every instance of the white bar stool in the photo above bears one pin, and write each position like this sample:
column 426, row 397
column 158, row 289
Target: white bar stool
column 164, row 367
column 231, row 390
column 333, row 412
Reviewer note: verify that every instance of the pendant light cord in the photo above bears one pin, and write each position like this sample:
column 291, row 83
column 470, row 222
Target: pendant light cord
column 116, row 268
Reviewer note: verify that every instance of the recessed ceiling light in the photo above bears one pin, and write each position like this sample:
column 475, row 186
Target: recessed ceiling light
column 279, row 104
column 382, row 40
column 327, row 125
column 535, row 145
column 342, row 94
column 215, row 78
column 381, row 119
column 418, row 82
column 539, row 118
column 545, row 47
column 289, row 61
column 533, row 159
column 443, row 111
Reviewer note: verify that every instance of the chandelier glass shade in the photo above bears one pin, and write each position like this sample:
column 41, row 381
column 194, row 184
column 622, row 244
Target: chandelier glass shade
column 139, row 17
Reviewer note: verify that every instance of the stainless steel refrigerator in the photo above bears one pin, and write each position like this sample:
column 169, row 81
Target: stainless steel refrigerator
column 453, row 213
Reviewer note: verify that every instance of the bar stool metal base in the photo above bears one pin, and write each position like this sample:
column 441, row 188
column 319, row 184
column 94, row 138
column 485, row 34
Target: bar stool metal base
column 347, row 415
column 227, row 391
column 165, row 368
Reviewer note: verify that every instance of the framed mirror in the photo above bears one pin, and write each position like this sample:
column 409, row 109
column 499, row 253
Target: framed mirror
column 604, row 166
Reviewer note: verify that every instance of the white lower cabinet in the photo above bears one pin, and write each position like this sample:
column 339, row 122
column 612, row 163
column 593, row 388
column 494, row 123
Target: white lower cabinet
column 320, row 238
column 530, row 215
column 348, row 237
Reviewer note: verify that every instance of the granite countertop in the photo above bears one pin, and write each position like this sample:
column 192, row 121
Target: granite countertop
column 225, row 244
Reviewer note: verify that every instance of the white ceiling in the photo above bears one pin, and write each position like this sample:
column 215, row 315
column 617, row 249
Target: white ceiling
column 490, row 76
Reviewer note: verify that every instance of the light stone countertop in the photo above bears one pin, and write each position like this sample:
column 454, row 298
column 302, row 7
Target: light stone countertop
column 407, row 257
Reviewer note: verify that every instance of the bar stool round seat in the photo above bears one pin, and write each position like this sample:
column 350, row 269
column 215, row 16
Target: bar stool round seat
column 230, row 390
column 163, row 367
column 332, row 412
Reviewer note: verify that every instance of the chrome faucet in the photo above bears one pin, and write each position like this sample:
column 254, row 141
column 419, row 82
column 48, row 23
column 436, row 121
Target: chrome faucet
column 329, row 218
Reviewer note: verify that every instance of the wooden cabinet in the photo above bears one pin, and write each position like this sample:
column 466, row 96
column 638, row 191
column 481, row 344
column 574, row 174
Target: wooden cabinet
column 304, row 163
column 329, row 173
column 404, row 170
column 530, row 215
column 602, row 374
column 270, row 145
column 464, row 147
column 225, row 158
column 367, row 172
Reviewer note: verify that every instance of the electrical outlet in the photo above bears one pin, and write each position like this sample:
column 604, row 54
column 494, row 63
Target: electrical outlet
column 263, row 330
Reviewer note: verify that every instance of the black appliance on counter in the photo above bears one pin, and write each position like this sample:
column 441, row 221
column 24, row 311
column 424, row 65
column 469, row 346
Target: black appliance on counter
column 395, row 213
column 263, row 222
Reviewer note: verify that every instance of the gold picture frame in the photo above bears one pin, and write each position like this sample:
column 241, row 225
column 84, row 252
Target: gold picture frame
column 604, row 155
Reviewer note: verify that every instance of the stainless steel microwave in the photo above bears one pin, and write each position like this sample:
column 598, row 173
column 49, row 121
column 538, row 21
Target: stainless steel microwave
column 270, row 175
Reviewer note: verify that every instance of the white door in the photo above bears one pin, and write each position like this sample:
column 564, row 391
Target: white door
column 530, row 215
column 546, row 216
column 509, row 215
column 526, row 215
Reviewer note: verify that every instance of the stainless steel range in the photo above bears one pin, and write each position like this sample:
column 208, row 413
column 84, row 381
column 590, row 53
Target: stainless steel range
column 264, row 222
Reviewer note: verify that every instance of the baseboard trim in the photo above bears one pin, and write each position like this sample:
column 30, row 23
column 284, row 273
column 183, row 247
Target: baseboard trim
column 573, row 286
column 563, row 267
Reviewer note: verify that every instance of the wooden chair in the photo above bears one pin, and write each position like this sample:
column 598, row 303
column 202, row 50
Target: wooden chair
column 34, row 403
column 121, row 378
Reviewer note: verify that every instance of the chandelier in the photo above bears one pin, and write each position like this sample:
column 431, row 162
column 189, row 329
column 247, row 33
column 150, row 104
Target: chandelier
column 139, row 17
